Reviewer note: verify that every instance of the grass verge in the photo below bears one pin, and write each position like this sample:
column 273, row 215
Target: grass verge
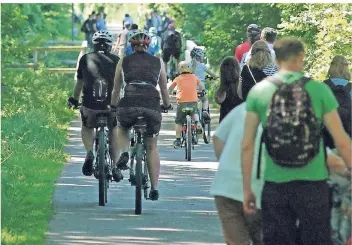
column 34, row 123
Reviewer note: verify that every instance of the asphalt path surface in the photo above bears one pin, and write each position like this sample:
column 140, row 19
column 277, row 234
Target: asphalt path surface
column 184, row 214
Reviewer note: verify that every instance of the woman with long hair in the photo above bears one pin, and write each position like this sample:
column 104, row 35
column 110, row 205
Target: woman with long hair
column 260, row 66
column 226, row 95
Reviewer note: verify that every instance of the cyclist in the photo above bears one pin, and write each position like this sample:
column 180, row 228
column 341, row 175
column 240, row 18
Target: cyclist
column 171, row 44
column 199, row 69
column 253, row 35
column 154, row 46
column 141, row 73
column 187, row 84
column 96, row 68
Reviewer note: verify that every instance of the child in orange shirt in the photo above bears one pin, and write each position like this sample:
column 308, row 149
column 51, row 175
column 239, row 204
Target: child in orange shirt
column 187, row 84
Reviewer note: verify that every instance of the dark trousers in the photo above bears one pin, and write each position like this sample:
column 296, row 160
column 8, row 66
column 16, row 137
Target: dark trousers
column 285, row 203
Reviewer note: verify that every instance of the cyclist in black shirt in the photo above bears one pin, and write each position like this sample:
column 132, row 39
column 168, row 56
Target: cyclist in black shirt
column 95, row 75
column 140, row 72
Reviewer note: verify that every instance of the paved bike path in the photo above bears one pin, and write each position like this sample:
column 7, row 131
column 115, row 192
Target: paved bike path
column 184, row 214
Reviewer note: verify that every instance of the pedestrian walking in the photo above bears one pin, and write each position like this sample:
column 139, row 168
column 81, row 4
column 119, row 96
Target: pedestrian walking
column 295, row 171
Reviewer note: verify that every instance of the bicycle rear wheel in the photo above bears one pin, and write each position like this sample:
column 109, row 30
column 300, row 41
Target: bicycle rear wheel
column 188, row 147
column 139, row 176
column 101, row 166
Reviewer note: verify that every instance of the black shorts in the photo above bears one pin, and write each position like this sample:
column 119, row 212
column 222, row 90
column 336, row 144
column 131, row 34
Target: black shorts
column 128, row 117
column 170, row 51
column 89, row 118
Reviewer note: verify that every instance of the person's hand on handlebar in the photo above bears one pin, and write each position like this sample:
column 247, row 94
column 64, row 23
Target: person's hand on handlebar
column 202, row 93
column 72, row 103
column 165, row 109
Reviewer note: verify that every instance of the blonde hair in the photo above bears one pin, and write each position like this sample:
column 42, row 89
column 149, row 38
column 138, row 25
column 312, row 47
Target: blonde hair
column 260, row 55
column 139, row 48
column 339, row 68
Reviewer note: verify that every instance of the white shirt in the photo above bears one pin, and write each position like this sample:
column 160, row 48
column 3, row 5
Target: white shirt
column 228, row 179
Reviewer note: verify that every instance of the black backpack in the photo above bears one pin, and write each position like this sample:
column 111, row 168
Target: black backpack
column 100, row 92
column 343, row 96
column 292, row 133
column 173, row 40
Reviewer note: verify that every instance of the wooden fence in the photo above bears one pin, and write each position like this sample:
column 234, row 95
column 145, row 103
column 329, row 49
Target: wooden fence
column 70, row 46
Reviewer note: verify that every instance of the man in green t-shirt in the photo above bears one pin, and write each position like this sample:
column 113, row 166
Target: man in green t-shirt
column 292, row 194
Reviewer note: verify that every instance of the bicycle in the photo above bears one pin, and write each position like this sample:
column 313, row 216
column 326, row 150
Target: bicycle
column 139, row 170
column 189, row 136
column 103, row 162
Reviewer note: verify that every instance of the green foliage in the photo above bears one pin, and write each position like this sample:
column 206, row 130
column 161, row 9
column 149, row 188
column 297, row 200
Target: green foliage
column 31, row 23
column 325, row 28
column 34, row 119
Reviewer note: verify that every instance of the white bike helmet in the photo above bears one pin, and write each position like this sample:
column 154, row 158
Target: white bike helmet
column 152, row 31
column 197, row 52
column 104, row 36
column 185, row 66
column 139, row 37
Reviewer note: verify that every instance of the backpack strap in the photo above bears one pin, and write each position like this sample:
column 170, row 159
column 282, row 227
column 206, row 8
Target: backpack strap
column 259, row 161
column 275, row 80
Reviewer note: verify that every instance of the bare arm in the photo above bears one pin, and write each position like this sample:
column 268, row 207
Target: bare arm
column 115, row 96
column 77, row 89
column 251, row 126
column 172, row 87
column 340, row 137
column 163, row 86
column 218, row 146
column 336, row 163
column 211, row 73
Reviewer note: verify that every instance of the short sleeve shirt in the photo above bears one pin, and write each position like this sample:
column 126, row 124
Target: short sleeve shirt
column 186, row 88
column 323, row 101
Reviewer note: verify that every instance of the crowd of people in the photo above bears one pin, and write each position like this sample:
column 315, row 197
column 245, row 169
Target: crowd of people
column 264, row 99
column 95, row 22
column 305, row 126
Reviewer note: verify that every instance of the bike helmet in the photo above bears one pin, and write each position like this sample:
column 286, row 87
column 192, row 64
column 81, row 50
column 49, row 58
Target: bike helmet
column 152, row 31
column 136, row 37
column 197, row 52
column 185, row 66
column 102, row 37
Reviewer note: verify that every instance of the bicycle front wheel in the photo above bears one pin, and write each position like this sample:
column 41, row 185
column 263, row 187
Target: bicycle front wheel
column 139, row 173
column 101, row 167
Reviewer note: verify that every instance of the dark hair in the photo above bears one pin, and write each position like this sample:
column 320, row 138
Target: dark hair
column 93, row 12
column 288, row 47
column 102, row 46
column 253, row 35
column 127, row 15
column 134, row 27
column 269, row 34
column 229, row 74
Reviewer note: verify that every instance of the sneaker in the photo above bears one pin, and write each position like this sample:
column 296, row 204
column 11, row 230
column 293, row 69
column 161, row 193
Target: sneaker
column 206, row 116
column 132, row 179
column 117, row 175
column 87, row 168
column 123, row 160
column 177, row 143
column 199, row 128
column 154, row 195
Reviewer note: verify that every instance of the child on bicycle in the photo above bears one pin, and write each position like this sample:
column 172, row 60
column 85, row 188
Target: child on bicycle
column 200, row 70
column 187, row 84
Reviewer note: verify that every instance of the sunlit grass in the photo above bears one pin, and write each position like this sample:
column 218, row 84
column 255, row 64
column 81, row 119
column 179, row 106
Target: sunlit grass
column 34, row 123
